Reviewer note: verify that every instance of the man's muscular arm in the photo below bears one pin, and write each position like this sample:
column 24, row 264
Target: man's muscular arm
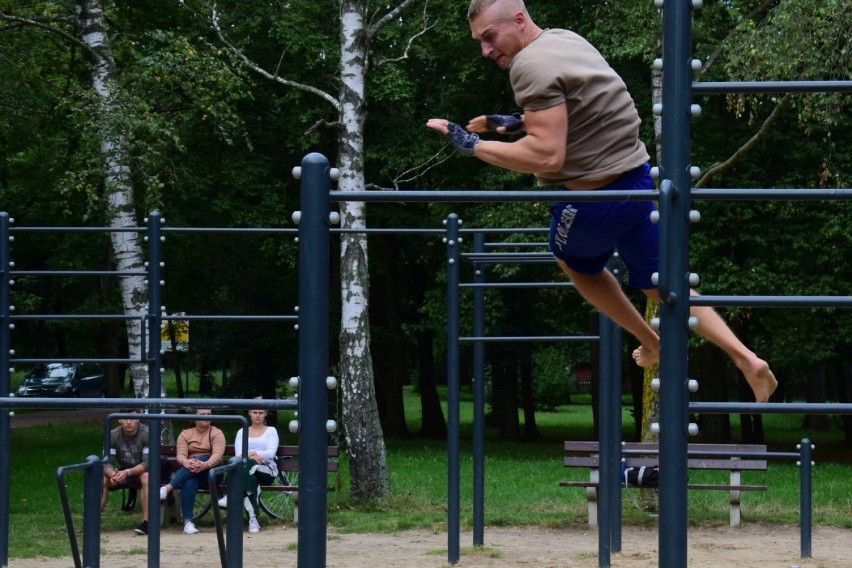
column 541, row 150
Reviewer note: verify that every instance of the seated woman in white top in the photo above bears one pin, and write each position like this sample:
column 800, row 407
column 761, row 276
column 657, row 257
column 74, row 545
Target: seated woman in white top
column 261, row 468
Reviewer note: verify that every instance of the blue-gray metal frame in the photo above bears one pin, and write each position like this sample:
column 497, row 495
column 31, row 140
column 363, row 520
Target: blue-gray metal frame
column 673, row 282
column 314, row 285
column 609, row 385
column 313, row 405
column 478, row 394
column 453, row 434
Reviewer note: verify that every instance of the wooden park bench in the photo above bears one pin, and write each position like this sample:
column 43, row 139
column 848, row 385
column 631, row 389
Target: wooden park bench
column 279, row 500
column 699, row 457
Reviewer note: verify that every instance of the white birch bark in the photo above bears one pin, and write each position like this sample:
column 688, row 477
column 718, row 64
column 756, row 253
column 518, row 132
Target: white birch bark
column 364, row 437
column 127, row 251
column 361, row 424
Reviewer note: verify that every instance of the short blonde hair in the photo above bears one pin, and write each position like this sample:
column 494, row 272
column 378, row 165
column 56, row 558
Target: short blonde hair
column 476, row 7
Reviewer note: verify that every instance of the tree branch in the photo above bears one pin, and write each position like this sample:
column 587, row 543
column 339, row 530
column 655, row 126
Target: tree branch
column 426, row 28
column 213, row 20
column 762, row 7
column 721, row 167
column 43, row 24
column 376, row 27
column 321, row 122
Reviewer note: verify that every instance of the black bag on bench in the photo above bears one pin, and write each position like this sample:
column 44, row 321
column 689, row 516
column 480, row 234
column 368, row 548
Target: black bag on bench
column 640, row 476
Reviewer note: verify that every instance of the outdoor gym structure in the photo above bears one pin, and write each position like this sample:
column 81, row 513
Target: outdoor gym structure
column 675, row 197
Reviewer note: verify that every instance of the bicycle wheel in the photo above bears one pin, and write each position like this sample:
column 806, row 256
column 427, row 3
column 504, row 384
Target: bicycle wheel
column 203, row 502
column 279, row 504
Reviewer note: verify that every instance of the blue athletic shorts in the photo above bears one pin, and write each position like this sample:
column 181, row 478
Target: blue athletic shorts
column 585, row 234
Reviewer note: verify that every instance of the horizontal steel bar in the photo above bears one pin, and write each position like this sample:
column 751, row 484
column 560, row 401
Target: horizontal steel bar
column 512, row 245
column 516, row 256
column 23, row 317
column 245, row 317
column 230, row 230
column 771, row 194
column 77, row 273
column 772, row 87
column 776, row 301
column 389, row 231
column 163, row 317
column 723, row 453
column 74, row 360
column 243, row 404
column 524, row 338
column 565, row 284
column 770, row 408
column 507, row 230
column 476, row 196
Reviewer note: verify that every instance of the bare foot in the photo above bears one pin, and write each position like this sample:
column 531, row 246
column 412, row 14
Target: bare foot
column 645, row 356
column 761, row 380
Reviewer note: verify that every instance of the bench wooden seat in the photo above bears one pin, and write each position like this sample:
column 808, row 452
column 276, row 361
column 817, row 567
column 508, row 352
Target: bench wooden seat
column 585, row 454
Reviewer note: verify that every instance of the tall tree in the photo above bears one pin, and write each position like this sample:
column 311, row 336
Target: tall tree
column 359, row 26
column 127, row 250
column 93, row 41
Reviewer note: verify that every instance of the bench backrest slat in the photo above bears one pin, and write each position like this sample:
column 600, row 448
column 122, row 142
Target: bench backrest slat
column 287, row 456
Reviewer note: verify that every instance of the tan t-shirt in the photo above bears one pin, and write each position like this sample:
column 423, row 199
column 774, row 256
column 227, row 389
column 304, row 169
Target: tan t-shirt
column 560, row 67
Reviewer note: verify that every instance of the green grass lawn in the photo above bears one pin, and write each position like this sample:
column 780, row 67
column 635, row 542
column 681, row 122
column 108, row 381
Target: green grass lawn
column 522, row 481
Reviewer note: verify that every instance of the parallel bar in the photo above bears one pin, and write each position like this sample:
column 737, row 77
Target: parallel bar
column 478, row 196
column 774, row 301
column 828, row 408
column 173, row 317
column 801, row 194
column 717, row 87
column 147, row 403
column 525, row 338
column 565, row 284
column 79, row 273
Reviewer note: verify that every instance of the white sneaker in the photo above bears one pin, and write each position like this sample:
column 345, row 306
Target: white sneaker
column 223, row 502
column 254, row 526
column 163, row 493
column 189, row 528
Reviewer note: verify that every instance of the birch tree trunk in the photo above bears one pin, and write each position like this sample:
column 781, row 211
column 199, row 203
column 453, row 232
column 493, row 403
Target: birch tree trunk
column 126, row 249
column 363, row 430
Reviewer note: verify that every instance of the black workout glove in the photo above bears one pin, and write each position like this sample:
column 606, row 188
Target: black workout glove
column 463, row 140
column 511, row 122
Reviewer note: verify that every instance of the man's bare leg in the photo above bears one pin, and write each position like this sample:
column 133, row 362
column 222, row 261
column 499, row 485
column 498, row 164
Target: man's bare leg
column 604, row 292
column 713, row 328
column 144, row 495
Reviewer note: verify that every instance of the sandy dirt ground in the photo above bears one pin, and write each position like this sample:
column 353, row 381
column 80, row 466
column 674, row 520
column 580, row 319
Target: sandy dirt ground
column 748, row 546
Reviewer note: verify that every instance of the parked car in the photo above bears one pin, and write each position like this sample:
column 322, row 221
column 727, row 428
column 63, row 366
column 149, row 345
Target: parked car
column 65, row 380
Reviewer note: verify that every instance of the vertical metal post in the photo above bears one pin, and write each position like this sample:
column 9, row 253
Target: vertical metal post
column 313, row 358
column 235, row 492
column 805, row 496
column 479, row 396
column 93, row 487
column 453, row 436
column 614, row 353
column 155, row 379
column 606, row 484
column 5, row 384
column 673, row 279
